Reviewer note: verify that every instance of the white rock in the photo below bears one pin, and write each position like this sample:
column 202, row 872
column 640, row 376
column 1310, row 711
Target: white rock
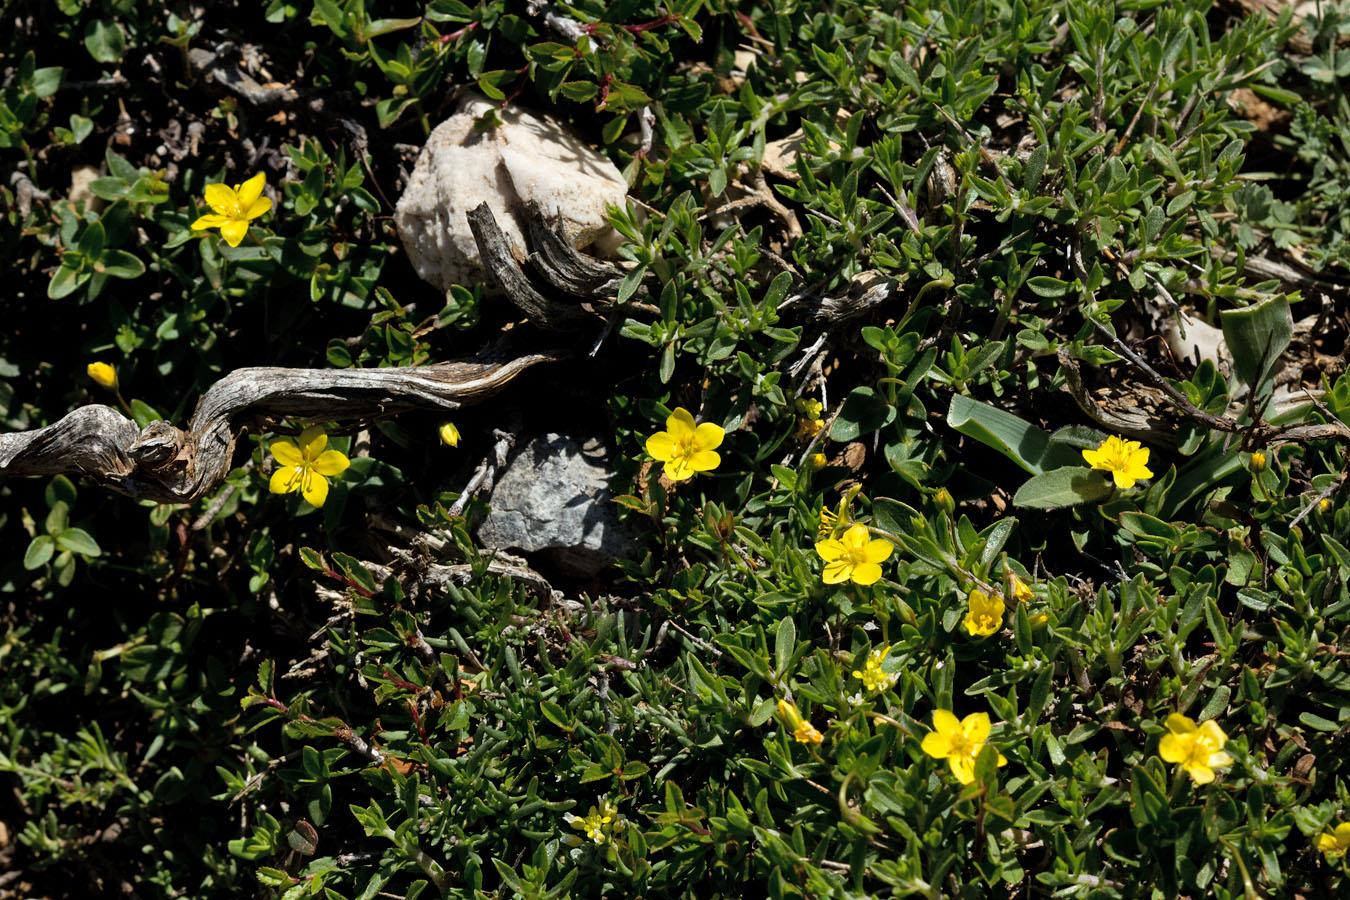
column 526, row 158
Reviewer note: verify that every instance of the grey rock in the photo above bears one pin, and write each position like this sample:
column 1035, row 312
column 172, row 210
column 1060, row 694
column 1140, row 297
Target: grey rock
column 554, row 499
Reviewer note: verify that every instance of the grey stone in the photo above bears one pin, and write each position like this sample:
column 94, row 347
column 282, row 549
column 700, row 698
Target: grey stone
column 554, row 499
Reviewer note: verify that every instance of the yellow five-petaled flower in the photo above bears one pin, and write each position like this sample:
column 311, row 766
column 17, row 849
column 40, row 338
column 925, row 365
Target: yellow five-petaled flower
column 1198, row 750
column 985, row 615
column 308, row 467
column 1127, row 461
column 684, row 447
column 959, row 742
column 233, row 207
column 1335, row 843
column 853, row 557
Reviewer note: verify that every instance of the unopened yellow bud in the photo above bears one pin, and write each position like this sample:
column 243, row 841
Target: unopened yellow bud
column 1324, row 505
column 1258, row 461
column 943, row 498
column 449, row 434
column 104, row 374
column 817, row 460
column 791, row 715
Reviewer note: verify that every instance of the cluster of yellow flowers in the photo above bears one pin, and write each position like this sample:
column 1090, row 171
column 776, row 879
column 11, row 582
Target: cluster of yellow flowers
column 873, row 678
column 599, row 824
column 809, row 422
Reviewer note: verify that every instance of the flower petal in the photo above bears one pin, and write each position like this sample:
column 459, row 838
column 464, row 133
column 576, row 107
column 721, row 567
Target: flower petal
column 963, row 767
column 233, row 231
column 709, row 436
column 1179, row 724
column 976, row 727
column 1174, row 748
column 251, row 190
column 661, row 445
column 285, row 480
column 287, row 453
column 936, row 745
column 210, row 220
column 829, row 549
column 1124, row 480
column 1220, row 758
column 312, row 441
column 946, row 722
column 258, row 208
column 678, row 469
column 704, row 461
column 1200, row 774
column 221, row 198
column 866, row 573
column 837, row 572
column 331, row 462
column 877, row 551
column 680, row 423
column 314, row 487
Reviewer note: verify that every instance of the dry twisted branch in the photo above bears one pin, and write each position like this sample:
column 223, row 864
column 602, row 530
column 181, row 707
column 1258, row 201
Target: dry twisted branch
column 171, row 465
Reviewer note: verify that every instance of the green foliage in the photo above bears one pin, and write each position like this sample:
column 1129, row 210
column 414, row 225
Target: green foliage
column 920, row 215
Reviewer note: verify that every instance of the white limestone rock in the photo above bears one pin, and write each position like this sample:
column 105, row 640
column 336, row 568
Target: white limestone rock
column 526, row 158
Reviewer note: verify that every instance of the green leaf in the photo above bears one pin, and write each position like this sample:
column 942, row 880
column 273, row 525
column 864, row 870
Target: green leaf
column 784, row 643
column 65, row 281
column 40, row 550
column 1066, row 486
column 104, row 40
column 1016, row 438
column 863, row 412
column 1256, row 336
column 121, row 264
column 143, row 413
column 77, row 540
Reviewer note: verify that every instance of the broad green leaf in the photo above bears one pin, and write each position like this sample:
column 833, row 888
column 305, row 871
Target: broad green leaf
column 1016, row 438
column 1066, row 486
column 1256, row 336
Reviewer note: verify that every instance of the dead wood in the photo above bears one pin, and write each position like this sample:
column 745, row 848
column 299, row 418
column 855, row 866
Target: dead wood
column 164, row 463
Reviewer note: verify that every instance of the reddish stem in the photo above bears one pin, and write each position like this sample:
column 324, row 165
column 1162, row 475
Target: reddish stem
column 456, row 35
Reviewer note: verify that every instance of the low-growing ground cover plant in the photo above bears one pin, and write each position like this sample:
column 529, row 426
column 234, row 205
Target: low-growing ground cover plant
column 974, row 387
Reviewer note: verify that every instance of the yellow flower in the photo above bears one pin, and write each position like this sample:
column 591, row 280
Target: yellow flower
column 802, row 730
column 806, row 733
column 1324, row 505
column 1197, row 750
column 1258, row 461
column 1335, row 843
column 1020, row 590
column 810, row 408
column 808, row 428
column 233, row 207
column 855, row 556
column 959, row 742
column 873, row 678
column 308, row 467
column 104, row 374
column 1127, row 461
column 985, row 615
column 598, row 823
column 817, row 461
column 1038, row 619
column 684, row 447
column 449, row 434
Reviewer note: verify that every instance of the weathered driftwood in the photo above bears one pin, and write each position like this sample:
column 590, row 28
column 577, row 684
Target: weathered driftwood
column 164, row 463
column 501, row 261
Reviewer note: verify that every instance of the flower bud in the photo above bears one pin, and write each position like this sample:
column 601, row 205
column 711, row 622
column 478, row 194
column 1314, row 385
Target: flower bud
column 104, row 374
column 943, row 499
column 1258, row 461
column 449, row 434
